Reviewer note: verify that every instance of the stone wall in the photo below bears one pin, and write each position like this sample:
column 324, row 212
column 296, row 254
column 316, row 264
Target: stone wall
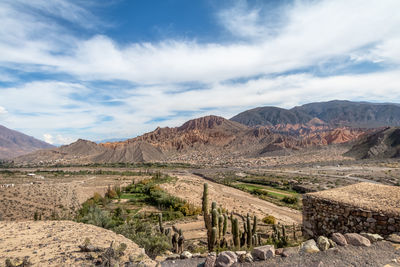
column 325, row 216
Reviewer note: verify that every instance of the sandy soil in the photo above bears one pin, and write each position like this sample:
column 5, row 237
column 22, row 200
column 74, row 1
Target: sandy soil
column 190, row 188
column 62, row 195
column 55, row 243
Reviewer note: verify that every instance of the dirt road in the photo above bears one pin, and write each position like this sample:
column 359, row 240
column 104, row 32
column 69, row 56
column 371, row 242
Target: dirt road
column 190, row 188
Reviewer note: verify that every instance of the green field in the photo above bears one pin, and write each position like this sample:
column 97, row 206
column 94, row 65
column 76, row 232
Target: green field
column 271, row 194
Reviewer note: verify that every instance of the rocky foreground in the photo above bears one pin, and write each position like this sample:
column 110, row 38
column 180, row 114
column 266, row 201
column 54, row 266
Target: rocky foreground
column 56, row 243
column 340, row 250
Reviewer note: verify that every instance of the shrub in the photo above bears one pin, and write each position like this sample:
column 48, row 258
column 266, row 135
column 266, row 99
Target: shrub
column 142, row 233
column 111, row 193
column 269, row 219
column 290, row 200
column 118, row 191
column 97, row 217
column 97, row 198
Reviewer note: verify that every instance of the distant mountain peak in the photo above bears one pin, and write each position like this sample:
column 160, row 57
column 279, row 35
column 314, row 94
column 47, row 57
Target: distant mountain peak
column 336, row 113
column 208, row 122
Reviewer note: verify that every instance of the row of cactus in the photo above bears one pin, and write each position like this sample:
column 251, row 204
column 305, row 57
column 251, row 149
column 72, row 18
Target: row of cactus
column 279, row 237
column 177, row 239
column 249, row 235
column 216, row 224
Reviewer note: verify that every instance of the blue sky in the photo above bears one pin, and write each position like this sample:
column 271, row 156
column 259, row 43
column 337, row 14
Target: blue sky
column 113, row 69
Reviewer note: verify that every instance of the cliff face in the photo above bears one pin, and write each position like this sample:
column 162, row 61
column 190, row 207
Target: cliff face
column 384, row 143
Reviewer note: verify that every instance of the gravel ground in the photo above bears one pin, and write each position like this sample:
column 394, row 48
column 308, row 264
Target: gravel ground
column 379, row 254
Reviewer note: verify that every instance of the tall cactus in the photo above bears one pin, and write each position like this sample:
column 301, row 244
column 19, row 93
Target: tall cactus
column 225, row 225
column 213, row 239
column 220, row 226
column 205, row 199
column 249, row 233
column 214, row 218
column 294, row 232
column 254, row 225
column 236, row 233
column 213, row 205
column 206, row 215
column 160, row 222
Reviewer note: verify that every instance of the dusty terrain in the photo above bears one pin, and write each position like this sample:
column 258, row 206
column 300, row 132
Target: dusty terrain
column 380, row 254
column 190, row 188
column 55, row 243
column 22, row 195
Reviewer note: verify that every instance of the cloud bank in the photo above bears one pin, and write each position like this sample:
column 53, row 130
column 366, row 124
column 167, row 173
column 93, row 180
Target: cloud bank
column 57, row 82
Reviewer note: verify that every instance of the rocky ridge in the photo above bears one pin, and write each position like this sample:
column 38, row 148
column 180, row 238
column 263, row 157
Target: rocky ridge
column 211, row 135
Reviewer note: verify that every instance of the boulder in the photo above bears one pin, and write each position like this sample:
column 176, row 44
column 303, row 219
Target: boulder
column 278, row 251
column 249, row 258
column 210, row 261
column 339, row 239
column 186, row 255
column 323, row 243
column 196, row 255
column 309, row 246
column 173, row 257
column 263, row 252
column 372, row 237
column 244, row 256
column 332, row 243
column 226, row 259
column 357, row 240
column 395, row 238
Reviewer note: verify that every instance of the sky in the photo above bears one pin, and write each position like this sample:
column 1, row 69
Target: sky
column 117, row 69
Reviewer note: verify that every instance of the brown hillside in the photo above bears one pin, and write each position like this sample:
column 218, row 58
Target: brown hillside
column 55, row 243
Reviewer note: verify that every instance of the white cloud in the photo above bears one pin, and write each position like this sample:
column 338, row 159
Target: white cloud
column 2, row 110
column 308, row 33
column 58, row 139
column 48, row 138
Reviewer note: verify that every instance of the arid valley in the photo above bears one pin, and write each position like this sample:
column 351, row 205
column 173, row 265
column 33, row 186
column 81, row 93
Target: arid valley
column 151, row 190
column 207, row 133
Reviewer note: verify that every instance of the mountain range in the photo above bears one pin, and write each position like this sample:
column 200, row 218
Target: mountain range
column 252, row 133
column 336, row 113
column 13, row 143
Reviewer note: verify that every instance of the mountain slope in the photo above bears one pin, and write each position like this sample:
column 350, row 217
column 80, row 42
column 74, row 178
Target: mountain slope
column 354, row 114
column 384, row 143
column 13, row 143
column 205, row 137
column 269, row 116
column 335, row 113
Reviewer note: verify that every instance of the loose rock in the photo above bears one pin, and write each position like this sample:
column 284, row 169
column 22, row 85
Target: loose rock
column 210, row 261
column 339, row 239
column 263, row 252
column 173, row 257
column 309, row 246
column 323, row 243
column 395, row 238
column 186, row 255
column 357, row 240
column 372, row 237
column 226, row 259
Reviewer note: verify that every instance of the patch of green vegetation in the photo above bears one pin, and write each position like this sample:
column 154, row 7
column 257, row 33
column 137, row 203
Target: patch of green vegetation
column 276, row 196
column 126, row 219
